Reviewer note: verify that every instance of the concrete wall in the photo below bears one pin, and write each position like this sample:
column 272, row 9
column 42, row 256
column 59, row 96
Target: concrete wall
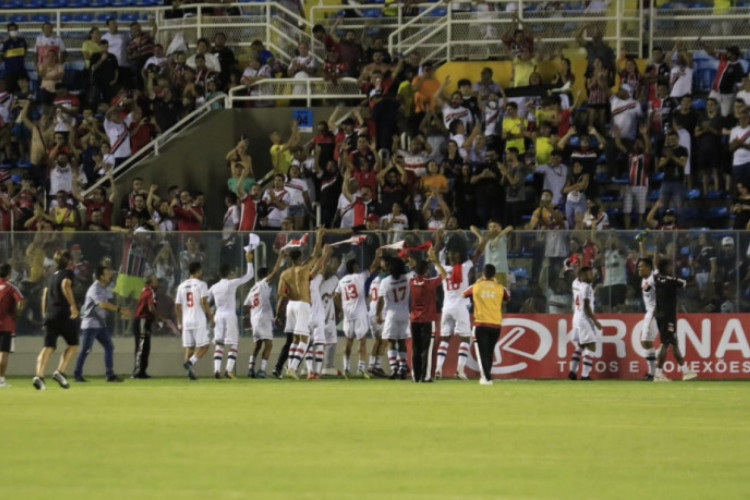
column 195, row 159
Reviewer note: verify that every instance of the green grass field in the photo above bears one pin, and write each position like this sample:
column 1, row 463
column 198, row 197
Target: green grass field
column 210, row 439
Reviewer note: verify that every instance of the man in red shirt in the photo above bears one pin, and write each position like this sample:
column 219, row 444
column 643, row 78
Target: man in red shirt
column 423, row 316
column 145, row 314
column 11, row 302
column 189, row 215
column 249, row 203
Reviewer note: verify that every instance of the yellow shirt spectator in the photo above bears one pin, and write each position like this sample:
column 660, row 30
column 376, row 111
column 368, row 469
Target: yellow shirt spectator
column 488, row 296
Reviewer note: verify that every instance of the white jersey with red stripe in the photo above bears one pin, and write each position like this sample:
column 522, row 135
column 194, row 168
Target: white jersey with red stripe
column 259, row 301
column 581, row 292
column 648, row 289
column 351, row 288
column 190, row 294
column 453, row 296
column 374, row 295
column 395, row 294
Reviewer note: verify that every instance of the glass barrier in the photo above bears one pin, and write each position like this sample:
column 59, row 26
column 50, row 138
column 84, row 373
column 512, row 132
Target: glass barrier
column 538, row 266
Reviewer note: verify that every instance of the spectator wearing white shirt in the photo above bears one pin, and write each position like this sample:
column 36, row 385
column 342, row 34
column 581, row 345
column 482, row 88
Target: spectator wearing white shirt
column 299, row 196
column 302, row 66
column 229, row 236
column 116, row 128
column 681, row 75
column 625, row 113
column 277, row 198
column 48, row 42
column 118, row 46
column 212, row 60
column 739, row 145
column 62, row 175
column 555, row 174
column 255, row 71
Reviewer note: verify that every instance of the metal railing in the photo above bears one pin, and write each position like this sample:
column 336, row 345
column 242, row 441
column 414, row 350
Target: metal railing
column 274, row 89
column 154, row 147
column 666, row 26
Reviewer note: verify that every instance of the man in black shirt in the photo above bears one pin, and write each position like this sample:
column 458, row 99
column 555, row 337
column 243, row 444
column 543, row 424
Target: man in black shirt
column 60, row 315
column 104, row 75
column 666, row 319
column 673, row 161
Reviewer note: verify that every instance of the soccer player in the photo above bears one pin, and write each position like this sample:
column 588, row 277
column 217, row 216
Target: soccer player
column 455, row 318
column 666, row 320
column 327, row 291
column 11, row 303
column 94, row 323
column 376, row 328
column 261, row 318
column 227, row 331
column 350, row 294
column 191, row 308
column 585, row 324
column 316, row 352
column 488, row 297
column 393, row 300
column 145, row 315
column 423, row 315
column 60, row 315
column 649, row 330
column 294, row 298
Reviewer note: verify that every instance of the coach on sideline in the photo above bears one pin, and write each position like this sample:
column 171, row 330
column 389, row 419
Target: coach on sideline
column 488, row 296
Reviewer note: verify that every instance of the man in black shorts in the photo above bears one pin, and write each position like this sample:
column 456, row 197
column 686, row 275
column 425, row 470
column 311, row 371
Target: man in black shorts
column 666, row 320
column 11, row 302
column 60, row 319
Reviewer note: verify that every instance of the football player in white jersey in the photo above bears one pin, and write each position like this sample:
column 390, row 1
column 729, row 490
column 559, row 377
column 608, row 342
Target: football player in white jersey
column 327, row 291
column 393, row 314
column 192, row 310
column 227, row 331
column 317, row 317
column 455, row 319
column 378, row 345
column 261, row 318
column 351, row 296
column 585, row 324
column 649, row 330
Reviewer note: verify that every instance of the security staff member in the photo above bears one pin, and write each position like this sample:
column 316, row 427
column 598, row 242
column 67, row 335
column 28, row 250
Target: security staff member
column 488, row 296
column 423, row 316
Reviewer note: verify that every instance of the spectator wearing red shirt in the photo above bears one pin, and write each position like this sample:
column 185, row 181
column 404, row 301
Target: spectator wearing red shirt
column 98, row 200
column 334, row 68
column 187, row 213
column 145, row 315
column 423, row 291
column 141, row 130
column 325, row 143
column 329, row 40
column 250, row 203
column 11, row 301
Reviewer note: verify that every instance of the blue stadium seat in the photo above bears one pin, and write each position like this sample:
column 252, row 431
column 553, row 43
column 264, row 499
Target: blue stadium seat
column 2, row 18
column 56, row 4
column 438, row 12
column 718, row 213
column 41, row 18
column 122, row 3
column 691, row 213
column 613, row 214
column 103, row 16
column 610, row 195
column 83, row 18
column 101, row 3
column 529, row 178
column 698, row 5
column 78, row 4
column 19, row 18
column 621, row 180
column 128, row 17
column 657, row 177
column 13, row 4
column 685, row 272
column 685, row 251
column 35, row 4
column 146, row 3
column 521, row 273
column 653, row 195
column 693, row 194
column 716, row 195
column 66, row 18
column 699, row 104
column 372, row 12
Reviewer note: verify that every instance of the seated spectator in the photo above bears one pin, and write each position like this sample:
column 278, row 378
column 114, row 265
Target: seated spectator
column 302, row 66
column 202, row 48
column 595, row 218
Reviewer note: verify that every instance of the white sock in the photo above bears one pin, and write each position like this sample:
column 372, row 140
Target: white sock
column 218, row 357
column 345, row 357
column 372, row 362
column 587, row 363
column 684, row 367
column 442, row 353
column 463, row 355
column 330, row 356
column 320, row 350
column 193, row 359
column 231, row 358
column 659, row 372
column 301, row 350
column 651, row 360
column 251, row 362
column 309, row 360
column 361, row 365
column 263, row 363
column 402, row 360
column 575, row 359
column 393, row 360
